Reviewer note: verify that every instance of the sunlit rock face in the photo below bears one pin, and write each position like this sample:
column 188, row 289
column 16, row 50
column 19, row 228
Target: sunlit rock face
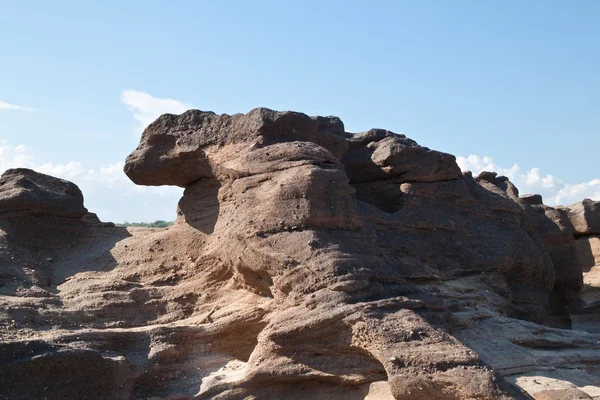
column 305, row 262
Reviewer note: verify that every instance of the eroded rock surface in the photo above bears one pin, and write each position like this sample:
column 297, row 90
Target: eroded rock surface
column 28, row 192
column 305, row 262
column 585, row 217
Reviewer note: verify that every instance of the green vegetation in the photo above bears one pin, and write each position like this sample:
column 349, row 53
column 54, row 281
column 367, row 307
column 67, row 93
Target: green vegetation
column 155, row 224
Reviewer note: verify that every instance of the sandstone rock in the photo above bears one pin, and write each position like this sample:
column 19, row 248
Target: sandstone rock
column 563, row 394
column 25, row 377
column 556, row 232
column 588, row 251
column 532, row 199
column 586, row 316
column 42, row 218
column 585, row 217
column 176, row 150
column 305, row 262
column 28, row 192
column 487, row 176
column 92, row 219
column 380, row 154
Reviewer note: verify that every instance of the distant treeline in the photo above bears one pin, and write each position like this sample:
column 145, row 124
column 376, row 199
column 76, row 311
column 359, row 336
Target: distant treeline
column 155, row 224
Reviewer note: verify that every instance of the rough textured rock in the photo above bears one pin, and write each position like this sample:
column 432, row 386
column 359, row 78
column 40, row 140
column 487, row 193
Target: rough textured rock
column 586, row 315
column 305, row 262
column 588, row 249
column 585, row 217
column 556, row 231
column 175, row 150
column 531, row 199
column 380, row 154
column 28, row 192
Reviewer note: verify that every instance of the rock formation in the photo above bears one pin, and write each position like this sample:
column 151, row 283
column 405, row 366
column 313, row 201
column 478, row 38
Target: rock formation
column 585, row 217
column 305, row 262
column 41, row 217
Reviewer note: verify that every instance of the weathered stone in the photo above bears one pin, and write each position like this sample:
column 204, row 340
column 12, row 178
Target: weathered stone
column 532, row 199
column 585, row 217
column 177, row 150
column 305, row 262
column 487, row 176
column 380, row 154
column 28, row 192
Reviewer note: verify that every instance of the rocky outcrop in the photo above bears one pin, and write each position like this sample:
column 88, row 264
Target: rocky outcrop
column 588, row 249
column 305, row 262
column 585, row 217
column 585, row 314
column 532, row 199
column 25, row 191
column 30, row 194
column 380, row 154
column 176, row 150
column 286, row 167
column 584, row 225
column 42, row 220
column 290, row 229
column 556, row 232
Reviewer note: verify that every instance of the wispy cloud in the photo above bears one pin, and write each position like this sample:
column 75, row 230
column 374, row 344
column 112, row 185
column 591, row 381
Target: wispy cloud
column 554, row 190
column 147, row 108
column 7, row 106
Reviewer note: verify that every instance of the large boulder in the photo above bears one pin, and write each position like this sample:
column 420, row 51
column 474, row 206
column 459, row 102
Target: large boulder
column 176, row 150
column 29, row 192
column 381, row 154
column 42, row 220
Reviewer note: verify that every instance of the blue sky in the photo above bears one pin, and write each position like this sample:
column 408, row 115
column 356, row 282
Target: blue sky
column 508, row 85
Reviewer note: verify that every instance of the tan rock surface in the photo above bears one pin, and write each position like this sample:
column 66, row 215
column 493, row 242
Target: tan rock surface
column 585, row 217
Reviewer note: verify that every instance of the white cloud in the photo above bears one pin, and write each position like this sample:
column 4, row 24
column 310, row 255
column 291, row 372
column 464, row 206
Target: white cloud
column 7, row 106
column 107, row 190
column 147, row 108
column 553, row 189
column 22, row 156
column 590, row 190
